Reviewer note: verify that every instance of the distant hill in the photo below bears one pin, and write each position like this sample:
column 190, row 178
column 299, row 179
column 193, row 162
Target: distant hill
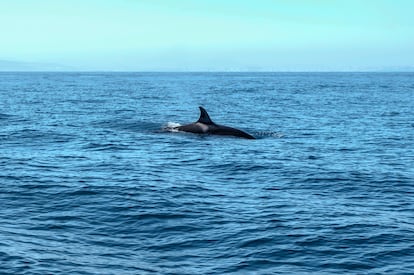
column 18, row 66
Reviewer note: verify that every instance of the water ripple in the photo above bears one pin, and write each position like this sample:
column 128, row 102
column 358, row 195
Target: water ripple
column 91, row 184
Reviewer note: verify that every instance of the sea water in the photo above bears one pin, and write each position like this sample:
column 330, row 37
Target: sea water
column 92, row 183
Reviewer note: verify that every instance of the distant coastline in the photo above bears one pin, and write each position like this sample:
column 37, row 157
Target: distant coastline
column 21, row 66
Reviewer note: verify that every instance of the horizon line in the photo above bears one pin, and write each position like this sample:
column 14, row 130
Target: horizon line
column 202, row 71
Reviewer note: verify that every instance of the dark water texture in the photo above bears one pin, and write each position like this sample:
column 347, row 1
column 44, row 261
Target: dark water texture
column 91, row 184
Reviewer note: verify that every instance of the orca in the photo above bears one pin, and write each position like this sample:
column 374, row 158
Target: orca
column 204, row 125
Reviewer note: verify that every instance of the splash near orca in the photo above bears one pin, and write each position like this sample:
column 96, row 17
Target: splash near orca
column 204, row 125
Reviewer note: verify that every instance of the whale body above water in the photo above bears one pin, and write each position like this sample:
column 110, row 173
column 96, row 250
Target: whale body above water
column 204, row 125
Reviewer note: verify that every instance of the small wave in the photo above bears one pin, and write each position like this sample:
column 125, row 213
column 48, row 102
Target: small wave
column 127, row 125
column 106, row 147
column 390, row 114
column 264, row 134
column 4, row 116
column 29, row 137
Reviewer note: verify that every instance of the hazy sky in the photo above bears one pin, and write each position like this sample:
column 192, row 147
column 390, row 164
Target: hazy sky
column 173, row 35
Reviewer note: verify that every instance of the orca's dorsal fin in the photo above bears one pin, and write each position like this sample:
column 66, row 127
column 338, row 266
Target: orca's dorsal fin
column 204, row 117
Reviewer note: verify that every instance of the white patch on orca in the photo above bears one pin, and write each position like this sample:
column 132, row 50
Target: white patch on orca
column 203, row 127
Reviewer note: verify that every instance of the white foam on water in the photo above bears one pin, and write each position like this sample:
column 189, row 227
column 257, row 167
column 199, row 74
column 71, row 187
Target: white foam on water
column 171, row 126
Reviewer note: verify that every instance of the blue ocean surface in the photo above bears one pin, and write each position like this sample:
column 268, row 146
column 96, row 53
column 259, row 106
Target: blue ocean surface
column 92, row 183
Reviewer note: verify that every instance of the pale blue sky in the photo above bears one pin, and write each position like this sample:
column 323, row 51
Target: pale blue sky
column 221, row 35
